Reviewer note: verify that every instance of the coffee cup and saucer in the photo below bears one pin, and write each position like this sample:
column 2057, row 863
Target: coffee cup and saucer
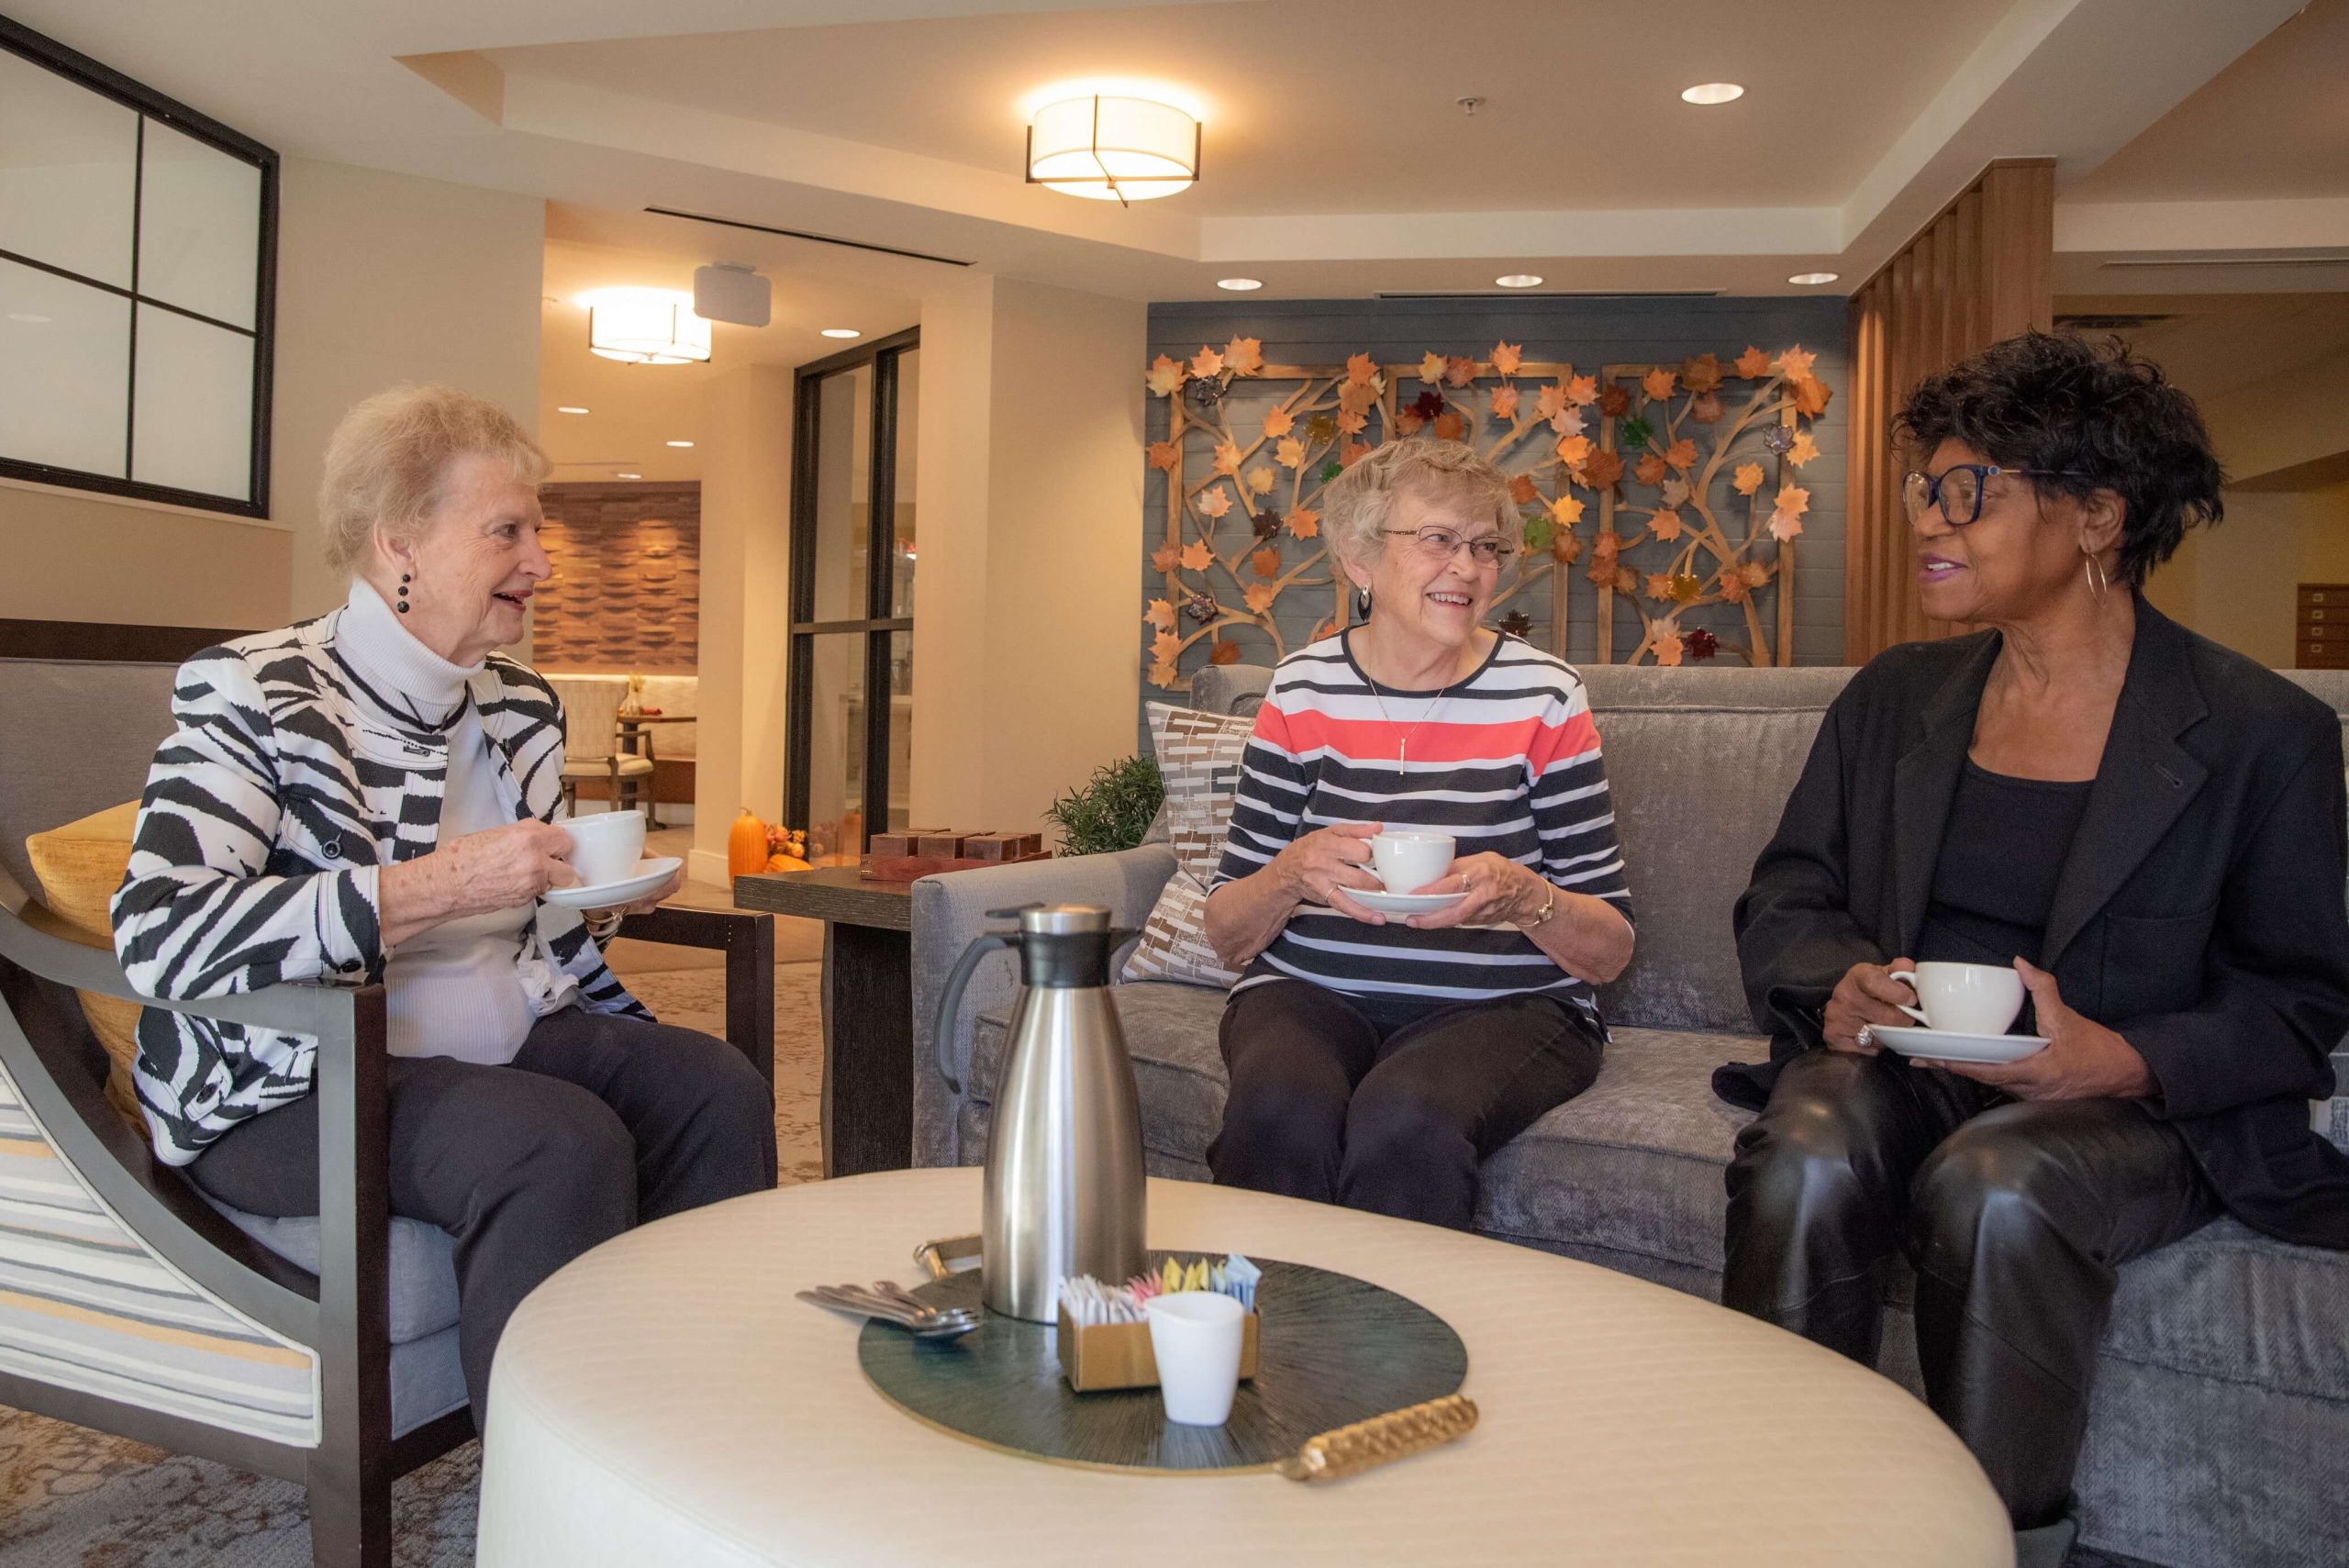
column 1964, row 1013
column 607, row 852
column 1405, row 861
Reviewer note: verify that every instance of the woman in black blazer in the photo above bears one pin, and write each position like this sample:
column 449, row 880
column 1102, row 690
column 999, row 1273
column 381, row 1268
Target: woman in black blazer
column 2147, row 827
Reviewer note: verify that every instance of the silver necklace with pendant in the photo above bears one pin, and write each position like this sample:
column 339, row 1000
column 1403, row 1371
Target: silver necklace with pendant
column 1403, row 747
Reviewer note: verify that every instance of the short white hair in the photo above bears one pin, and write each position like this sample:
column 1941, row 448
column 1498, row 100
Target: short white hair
column 387, row 464
column 1357, row 504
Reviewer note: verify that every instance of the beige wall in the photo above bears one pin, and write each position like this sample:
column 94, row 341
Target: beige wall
column 745, row 579
column 2238, row 584
column 380, row 278
column 1026, row 662
column 73, row 556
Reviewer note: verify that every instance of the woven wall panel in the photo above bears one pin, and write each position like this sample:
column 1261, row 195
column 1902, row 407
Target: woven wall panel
column 627, row 588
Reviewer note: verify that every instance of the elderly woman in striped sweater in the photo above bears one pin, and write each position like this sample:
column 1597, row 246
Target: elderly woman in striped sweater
column 1375, row 1063
column 369, row 798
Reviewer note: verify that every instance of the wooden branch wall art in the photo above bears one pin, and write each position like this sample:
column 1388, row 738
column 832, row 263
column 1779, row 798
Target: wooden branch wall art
column 1694, row 469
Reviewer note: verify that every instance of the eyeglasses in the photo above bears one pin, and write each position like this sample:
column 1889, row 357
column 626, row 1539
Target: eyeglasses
column 1958, row 489
column 1442, row 544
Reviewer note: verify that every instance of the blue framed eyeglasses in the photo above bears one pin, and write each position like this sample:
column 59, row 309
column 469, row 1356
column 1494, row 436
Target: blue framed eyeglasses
column 1958, row 489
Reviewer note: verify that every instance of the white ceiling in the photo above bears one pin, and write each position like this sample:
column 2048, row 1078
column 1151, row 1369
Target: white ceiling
column 2273, row 124
column 1336, row 164
column 1311, row 109
column 634, row 411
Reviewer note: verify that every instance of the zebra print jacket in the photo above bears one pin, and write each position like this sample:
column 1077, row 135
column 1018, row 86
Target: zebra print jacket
column 267, row 817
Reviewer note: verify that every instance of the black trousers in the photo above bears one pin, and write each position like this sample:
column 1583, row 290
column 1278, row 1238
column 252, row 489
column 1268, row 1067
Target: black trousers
column 601, row 1123
column 1387, row 1109
column 2015, row 1215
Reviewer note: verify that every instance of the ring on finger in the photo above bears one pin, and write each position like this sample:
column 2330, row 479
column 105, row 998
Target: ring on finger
column 1866, row 1038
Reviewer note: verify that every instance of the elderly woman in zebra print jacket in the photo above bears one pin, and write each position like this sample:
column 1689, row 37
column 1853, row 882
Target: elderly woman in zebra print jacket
column 369, row 796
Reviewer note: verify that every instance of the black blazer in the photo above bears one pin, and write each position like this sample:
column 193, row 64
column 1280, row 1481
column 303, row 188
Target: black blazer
column 2201, row 912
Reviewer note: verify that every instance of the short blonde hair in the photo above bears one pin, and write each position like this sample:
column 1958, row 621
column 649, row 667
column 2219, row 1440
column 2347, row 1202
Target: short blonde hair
column 388, row 464
column 1358, row 503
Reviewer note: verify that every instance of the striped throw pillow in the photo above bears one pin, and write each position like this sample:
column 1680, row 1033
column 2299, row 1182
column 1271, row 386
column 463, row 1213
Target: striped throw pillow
column 1198, row 757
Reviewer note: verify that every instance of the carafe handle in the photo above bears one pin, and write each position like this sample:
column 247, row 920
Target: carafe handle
column 951, row 1003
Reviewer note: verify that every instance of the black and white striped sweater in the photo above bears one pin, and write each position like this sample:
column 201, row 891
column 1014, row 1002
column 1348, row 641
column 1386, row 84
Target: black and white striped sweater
column 268, row 814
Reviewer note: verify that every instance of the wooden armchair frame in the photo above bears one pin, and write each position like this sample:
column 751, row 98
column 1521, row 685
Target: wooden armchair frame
column 342, row 1313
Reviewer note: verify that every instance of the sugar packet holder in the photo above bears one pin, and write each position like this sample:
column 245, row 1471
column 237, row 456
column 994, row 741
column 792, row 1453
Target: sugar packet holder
column 1103, row 1337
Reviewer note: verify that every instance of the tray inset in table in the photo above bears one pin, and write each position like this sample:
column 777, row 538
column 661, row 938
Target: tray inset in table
column 1333, row 1350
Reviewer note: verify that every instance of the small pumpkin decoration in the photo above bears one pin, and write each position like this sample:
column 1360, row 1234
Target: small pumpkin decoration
column 787, row 862
column 746, row 845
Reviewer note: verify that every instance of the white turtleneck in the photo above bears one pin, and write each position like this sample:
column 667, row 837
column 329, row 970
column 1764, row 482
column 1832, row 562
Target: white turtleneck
column 457, row 989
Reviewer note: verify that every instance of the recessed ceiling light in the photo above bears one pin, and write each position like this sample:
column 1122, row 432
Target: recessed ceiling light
column 680, row 443
column 1519, row 281
column 569, row 408
column 1709, row 92
column 619, row 475
column 842, row 332
column 1238, row 285
column 1809, row 278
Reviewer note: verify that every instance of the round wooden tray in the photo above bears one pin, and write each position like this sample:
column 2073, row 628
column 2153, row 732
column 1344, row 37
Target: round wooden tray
column 1332, row 1350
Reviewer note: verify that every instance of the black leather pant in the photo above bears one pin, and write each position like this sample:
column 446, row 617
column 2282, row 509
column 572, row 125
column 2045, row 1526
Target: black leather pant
column 2014, row 1214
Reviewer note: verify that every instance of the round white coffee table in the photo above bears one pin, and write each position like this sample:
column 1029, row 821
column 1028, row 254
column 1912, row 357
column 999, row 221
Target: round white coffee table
column 665, row 1400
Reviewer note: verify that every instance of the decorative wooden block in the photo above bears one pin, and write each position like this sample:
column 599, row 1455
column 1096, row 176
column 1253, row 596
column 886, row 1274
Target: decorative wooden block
column 944, row 846
column 1000, row 848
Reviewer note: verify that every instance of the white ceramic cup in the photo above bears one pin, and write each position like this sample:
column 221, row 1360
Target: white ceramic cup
column 1406, row 861
column 1964, row 998
column 606, row 848
column 1195, row 1336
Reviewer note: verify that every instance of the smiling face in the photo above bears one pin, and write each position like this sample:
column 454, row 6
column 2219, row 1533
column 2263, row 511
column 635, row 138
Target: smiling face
column 2020, row 558
column 1421, row 596
column 474, row 564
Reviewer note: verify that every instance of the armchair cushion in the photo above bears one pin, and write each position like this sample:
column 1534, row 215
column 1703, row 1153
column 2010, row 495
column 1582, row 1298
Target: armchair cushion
column 79, row 866
column 423, row 1274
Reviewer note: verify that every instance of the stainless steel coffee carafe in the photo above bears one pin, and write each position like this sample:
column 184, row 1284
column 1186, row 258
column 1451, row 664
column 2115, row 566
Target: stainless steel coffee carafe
column 1064, row 1192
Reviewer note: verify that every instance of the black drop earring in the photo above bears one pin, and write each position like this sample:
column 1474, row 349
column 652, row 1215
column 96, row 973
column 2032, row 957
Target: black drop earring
column 1361, row 603
column 403, row 603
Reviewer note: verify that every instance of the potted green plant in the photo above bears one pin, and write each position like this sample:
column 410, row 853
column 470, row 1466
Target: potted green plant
column 1109, row 811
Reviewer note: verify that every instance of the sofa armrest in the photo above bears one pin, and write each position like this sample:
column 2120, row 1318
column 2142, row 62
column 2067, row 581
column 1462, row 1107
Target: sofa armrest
column 949, row 910
column 748, row 942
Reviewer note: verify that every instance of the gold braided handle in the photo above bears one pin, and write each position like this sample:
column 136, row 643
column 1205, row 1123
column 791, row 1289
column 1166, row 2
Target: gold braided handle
column 1349, row 1450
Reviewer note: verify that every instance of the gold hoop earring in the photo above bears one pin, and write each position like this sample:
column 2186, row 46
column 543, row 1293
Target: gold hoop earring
column 2099, row 580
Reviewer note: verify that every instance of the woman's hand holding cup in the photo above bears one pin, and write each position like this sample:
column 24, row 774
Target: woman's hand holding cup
column 1321, row 866
column 499, row 868
column 1867, row 995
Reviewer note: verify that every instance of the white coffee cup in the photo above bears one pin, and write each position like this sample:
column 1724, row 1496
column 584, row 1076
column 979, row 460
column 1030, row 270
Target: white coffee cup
column 1964, row 998
column 606, row 848
column 1195, row 1336
column 1406, row 861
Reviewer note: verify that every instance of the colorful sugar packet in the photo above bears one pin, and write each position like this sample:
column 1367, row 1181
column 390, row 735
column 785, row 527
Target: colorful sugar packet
column 1090, row 1304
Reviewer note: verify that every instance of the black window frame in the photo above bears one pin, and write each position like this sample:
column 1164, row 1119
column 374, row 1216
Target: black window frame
column 877, row 623
column 49, row 54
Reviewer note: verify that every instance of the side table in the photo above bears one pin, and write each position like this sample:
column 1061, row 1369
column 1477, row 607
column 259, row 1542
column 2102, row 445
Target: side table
column 868, row 1007
column 633, row 732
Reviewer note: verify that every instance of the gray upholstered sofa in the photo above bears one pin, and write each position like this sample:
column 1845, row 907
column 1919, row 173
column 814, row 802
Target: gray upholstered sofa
column 2220, row 1433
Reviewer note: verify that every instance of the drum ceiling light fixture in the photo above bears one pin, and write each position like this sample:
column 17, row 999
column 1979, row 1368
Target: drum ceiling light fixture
column 646, row 326
column 1108, row 146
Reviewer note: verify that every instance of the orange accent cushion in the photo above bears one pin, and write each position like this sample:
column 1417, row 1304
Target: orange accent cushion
column 80, row 865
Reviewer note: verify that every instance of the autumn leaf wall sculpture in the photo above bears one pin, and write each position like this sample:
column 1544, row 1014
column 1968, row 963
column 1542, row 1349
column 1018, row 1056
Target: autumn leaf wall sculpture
column 1675, row 490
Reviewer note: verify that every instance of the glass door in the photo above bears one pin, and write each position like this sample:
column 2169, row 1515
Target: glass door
column 849, row 750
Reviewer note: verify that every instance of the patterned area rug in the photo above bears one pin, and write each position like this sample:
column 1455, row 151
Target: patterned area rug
column 74, row 1498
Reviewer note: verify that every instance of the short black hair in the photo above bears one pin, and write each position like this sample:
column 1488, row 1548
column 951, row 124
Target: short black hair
column 2097, row 415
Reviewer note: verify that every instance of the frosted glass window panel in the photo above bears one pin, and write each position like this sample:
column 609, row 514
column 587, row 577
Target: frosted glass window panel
column 68, row 170
column 65, row 372
column 199, row 228
column 194, row 406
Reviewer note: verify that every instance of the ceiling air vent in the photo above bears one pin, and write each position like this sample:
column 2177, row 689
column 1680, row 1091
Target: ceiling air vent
column 1549, row 294
column 803, row 234
column 2108, row 322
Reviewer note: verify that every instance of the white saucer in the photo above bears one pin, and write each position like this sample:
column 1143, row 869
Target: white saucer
column 650, row 873
column 1948, row 1045
column 1396, row 905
